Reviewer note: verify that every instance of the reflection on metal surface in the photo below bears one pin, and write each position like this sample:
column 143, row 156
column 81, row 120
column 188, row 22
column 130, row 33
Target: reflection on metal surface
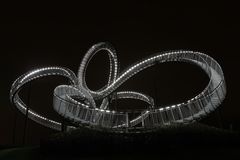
column 77, row 103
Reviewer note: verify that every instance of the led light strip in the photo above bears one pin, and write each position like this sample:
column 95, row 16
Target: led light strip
column 76, row 102
column 33, row 75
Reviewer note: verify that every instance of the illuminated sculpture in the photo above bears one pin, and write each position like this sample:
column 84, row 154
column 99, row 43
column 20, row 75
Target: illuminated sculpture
column 76, row 102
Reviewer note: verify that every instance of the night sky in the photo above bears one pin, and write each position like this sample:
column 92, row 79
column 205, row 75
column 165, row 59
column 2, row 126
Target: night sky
column 60, row 37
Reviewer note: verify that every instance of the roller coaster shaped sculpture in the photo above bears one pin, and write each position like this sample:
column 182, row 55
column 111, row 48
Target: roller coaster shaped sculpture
column 77, row 103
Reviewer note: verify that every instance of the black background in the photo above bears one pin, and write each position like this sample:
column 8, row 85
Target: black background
column 37, row 36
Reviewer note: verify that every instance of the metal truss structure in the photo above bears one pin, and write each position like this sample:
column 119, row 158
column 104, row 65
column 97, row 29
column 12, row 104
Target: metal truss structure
column 77, row 103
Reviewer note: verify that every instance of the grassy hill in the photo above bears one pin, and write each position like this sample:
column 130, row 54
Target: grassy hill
column 178, row 141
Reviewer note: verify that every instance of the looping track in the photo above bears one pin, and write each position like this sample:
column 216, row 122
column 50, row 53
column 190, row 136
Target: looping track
column 76, row 102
